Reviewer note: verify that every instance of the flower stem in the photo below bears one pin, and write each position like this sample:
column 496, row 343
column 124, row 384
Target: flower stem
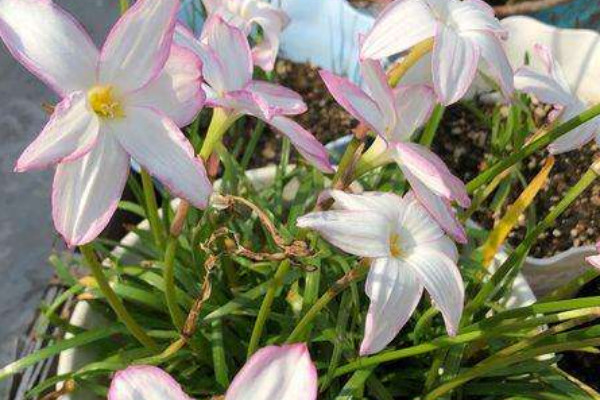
column 123, row 6
column 113, row 299
column 531, row 148
column 152, row 209
column 353, row 275
column 432, row 126
column 219, row 124
column 265, row 307
column 510, row 266
column 169, row 277
column 416, row 53
column 347, row 159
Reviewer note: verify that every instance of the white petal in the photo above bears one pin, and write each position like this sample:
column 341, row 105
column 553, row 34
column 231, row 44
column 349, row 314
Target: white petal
column 544, row 87
column 138, row 45
column 272, row 21
column 401, row 25
column 145, row 382
column 304, row 142
column 470, row 16
column 155, row 142
column 380, row 91
column 86, row 192
column 395, row 291
column 494, row 54
column 362, row 233
column 280, row 100
column 232, row 52
column 276, row 372
column 177, row 91
column 49, row 43
column 552, row 66
column 70, row 134
column 441, row 278
column 414, row 104
column 455, row 61
column 579, row 136
column 355, row 101
column 388, row 204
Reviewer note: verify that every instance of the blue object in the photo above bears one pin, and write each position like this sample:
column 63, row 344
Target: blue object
column 574, row 14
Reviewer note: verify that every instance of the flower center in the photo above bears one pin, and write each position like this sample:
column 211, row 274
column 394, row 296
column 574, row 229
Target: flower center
column 104, row 102
column 395, row 247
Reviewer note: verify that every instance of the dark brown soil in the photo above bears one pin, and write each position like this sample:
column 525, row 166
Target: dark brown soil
column 461, row 142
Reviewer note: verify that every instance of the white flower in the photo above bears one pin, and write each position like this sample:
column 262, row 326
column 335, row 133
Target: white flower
column 408, row 251
column 551, row 87
column 125, row 101
column 243, row 14
column 464, row 32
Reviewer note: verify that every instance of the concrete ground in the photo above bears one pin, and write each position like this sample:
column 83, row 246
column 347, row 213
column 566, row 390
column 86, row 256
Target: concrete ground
column 26, row 232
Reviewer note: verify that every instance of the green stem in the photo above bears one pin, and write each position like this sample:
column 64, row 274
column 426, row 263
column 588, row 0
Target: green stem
column 346, row 160
column 432, row 126
column 531, row 148
column 254, row 138
column 123, row 6
column 510, row 266
column 265, row 307
column 169, row 277
column 113, row 299
column 353, row 275
column 219, row 124
column 152, row 209
column 218, row 353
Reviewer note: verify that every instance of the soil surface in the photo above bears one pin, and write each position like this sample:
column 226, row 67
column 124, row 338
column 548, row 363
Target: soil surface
column 462, row 141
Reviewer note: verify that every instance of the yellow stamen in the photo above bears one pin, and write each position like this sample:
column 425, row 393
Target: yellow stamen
column 395, row 248
column 104, row 102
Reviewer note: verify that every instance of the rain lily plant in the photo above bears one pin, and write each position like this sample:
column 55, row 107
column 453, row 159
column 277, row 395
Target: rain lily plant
column 395, row 115
column 243, row 280
column 245, row 15
column 283, row 373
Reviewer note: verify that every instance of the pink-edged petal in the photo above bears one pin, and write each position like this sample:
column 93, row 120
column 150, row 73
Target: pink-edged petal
column 304, row 141
column 494, row 54
column 455, row 61
column 441, row 278
column 355, row 101
column 414, row 104
column 544, row 87
column 362, row 233
column 428, row 168
column 71, row 132
column 416, row 219
column 272, row 22
column 594, row 261
column 276, row 372
column 86, row 192
column 553, row 68
column 212, row 5
column 145, row 382
column 155, row 142
column 280, row 100
column 49, row 43
column 471, row 16
column 439, row 209
column 401, row 25
column 385, row 203
column 579, row 136
column 394, row 290
column 232, row 50
column 138, row 46
column 377, row 84
column 177, row 91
